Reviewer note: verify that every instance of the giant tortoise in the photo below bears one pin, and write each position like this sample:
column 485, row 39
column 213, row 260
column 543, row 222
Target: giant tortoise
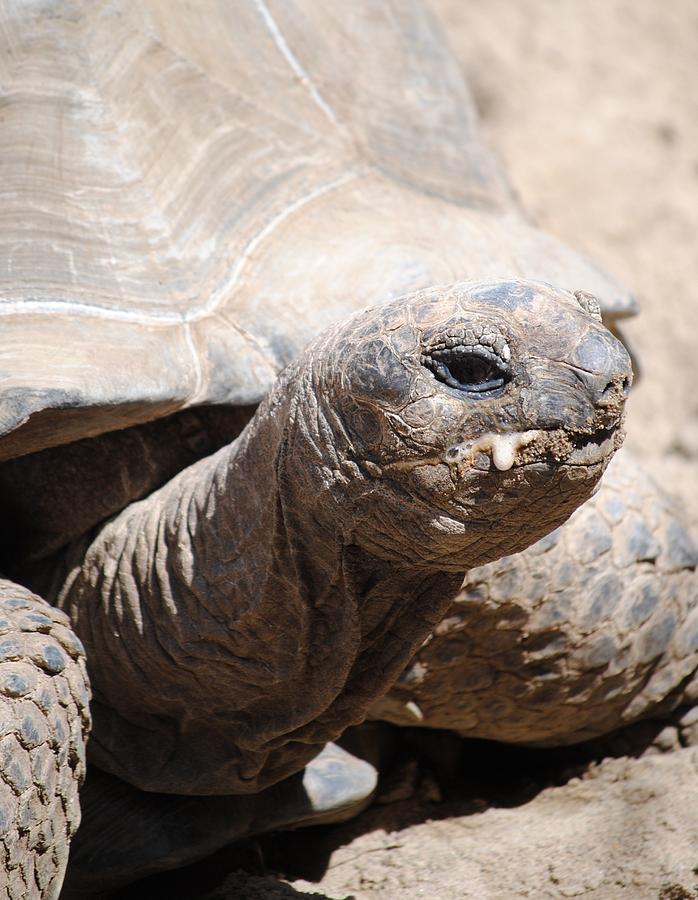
column 249, row 449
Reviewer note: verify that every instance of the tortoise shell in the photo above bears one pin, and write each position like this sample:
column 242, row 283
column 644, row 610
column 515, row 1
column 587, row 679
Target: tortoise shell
column 190, row 193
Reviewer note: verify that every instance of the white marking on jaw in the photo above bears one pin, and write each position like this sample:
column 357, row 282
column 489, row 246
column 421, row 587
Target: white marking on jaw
column 293, row 61
column 504, row 447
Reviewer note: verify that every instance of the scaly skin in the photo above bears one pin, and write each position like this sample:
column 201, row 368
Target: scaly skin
column 44, row 721
column 268, row 594
column 252, row 608
column 590, row 629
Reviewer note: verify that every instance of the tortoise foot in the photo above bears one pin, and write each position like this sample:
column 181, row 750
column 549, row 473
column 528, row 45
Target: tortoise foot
column 128, row 834
column 44, row 721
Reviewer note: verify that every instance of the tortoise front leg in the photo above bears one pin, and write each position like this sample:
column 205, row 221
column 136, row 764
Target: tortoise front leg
column 44, row 722
column 128, row 834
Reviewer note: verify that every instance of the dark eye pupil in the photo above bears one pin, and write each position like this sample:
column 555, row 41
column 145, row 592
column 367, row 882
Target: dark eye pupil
column 472, row 370
column 467, row 370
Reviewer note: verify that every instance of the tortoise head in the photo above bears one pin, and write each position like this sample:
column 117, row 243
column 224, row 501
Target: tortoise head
column 462, row 424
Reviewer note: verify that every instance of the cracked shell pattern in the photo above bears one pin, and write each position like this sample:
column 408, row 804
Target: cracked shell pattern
column 44, row 722
column 590, row 629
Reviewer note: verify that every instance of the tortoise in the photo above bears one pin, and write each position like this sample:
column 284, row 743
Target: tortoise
column 282, row 359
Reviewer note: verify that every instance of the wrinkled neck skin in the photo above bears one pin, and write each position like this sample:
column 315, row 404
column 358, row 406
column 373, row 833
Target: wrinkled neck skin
column 256, row 605
column 231, row 629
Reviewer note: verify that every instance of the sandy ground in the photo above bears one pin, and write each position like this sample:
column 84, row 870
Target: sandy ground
column 593, row 106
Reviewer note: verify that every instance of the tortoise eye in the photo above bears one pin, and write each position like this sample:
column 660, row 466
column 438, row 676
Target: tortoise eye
column 473, row 370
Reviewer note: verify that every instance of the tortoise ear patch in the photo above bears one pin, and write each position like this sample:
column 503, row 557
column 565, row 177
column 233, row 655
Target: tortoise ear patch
column 383, row 376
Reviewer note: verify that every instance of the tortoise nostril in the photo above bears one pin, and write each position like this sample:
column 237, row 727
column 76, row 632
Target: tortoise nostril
column 606, row 395
column 613, row 392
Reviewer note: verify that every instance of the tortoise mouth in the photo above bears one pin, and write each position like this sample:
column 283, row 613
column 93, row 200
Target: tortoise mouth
column 574, row 448
column 589, row 449
column 519, row 449
column 553, row 448
column 451, row 501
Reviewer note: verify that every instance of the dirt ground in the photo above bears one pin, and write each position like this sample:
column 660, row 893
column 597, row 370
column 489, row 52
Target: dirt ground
column 593, row 107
